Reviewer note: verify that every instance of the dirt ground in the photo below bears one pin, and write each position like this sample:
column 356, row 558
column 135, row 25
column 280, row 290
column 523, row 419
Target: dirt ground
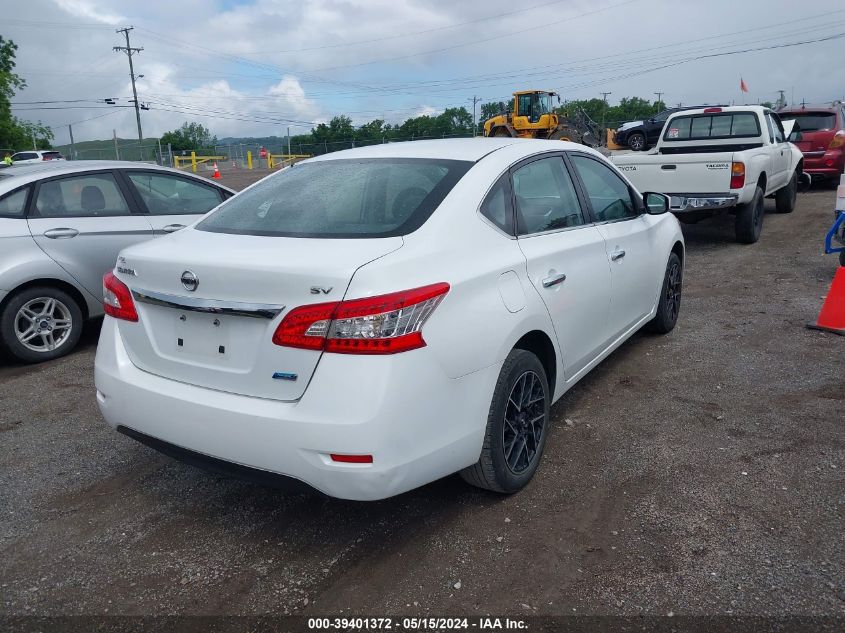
column 696, row 473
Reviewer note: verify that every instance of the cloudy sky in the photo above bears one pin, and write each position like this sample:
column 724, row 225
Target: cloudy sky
column 255, row 67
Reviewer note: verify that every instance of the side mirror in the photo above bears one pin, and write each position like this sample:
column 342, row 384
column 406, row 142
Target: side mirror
column 656, row 203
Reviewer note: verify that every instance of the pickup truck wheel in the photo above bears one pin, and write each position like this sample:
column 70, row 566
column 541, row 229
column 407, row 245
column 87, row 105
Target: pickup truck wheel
column 749, row 219
column 636, row 141
column 785, row 197
column 517, row 426
column 669, row 302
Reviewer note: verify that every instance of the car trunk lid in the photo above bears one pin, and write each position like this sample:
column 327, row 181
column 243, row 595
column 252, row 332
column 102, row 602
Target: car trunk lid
column 219, row 335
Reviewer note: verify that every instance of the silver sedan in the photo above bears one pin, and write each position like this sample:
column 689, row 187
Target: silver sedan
column 62, row 225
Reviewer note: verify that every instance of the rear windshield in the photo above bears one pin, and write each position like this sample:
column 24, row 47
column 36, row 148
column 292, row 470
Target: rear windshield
column 697, row 127
column 340, row 199
column 810, row 121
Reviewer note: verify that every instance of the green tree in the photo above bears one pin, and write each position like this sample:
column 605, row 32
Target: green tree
column 15, row 133
column 190, row 136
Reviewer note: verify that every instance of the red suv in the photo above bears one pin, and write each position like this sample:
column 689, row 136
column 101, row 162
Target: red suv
column 819, row 133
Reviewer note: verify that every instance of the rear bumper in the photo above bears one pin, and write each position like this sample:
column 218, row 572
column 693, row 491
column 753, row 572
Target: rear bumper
column 416, row 422
column 693, row 202
column 828, row 164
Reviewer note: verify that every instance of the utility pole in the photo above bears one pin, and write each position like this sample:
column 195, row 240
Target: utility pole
column 781, row 100
column 72, row 149
column 659, row 94
column 116, row 148
column 604, row 111
column 289, row 143
column 129, row 52
column 474, row 100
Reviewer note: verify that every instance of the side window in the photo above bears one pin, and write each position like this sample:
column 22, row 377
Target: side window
column 80, row 196
column 778, row 127
column 771, row 128
column 24, row 156
column 661, row 118
column 165, row 194
column 13, row 205
column 608, row 193
column 497, row 206
column 545, row 197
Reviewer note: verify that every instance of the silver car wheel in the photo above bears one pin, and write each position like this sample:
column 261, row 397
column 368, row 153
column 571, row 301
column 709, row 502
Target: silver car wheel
column 43, row 324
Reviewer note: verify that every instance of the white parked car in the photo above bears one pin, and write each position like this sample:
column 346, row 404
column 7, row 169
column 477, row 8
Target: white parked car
column 374, row 319
column 35, row 156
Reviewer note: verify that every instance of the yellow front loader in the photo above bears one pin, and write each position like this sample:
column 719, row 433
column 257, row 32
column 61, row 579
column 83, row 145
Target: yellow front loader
column 532, row 115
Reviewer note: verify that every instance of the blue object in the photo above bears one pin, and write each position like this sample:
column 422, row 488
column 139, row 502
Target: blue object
column 836, row 232
column 281, row 375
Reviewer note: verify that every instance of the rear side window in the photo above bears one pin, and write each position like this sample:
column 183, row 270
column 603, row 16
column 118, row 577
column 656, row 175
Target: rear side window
column 80, row 196
column 166, row 194
column 24, row 156
column 51, row 155
column 353, row 198
column 13, row 205
column 497, row 206
column 716, row 126
column 545, row 197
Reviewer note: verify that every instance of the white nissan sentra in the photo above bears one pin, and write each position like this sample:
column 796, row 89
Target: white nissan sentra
column 371, row 320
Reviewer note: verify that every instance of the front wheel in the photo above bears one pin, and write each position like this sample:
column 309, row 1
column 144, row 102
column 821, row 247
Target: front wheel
column 517, row 425
column 39, row 324
column 636, row 142
column 669, row 302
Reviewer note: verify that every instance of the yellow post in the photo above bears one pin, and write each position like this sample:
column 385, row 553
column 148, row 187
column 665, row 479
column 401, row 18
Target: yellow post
column 270, row 163
column 194, row 161
column 249, row 159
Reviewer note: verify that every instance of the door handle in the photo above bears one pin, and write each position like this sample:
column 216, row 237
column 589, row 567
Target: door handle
column 61, row 234
column 617, row 255
column 172, row 228
column 554, row 280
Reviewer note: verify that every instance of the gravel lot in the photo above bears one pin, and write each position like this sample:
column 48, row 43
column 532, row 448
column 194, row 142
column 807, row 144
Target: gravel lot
column 697, row 473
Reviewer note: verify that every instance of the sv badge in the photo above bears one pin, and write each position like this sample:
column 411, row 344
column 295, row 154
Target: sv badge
column 317, row 290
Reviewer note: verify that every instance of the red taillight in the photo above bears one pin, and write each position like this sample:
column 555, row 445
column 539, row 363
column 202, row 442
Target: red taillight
column 838, row 140
column 737, row 175
column 352, row 459
column 117, row 299
column 385, row 324
column 711, row 110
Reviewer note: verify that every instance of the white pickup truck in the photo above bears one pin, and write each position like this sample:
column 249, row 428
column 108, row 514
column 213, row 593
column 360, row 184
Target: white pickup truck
column 712, row 160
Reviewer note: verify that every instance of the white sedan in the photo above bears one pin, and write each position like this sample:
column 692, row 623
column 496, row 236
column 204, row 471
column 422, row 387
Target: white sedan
column 372, row 320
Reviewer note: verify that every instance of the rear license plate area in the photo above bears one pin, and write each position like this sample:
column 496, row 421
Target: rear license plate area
column 201, row 335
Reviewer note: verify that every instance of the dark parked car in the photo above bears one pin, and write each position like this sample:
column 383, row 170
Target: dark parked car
column 819, row 133
column 640, row 135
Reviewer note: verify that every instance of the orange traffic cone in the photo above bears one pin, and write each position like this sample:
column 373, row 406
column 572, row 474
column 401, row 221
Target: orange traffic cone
column 832, row 316
column 216, row 174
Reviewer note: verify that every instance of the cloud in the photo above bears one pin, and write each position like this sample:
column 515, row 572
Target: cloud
column 251, row 66
column 81, row 8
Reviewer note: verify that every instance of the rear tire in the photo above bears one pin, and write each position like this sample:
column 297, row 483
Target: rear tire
column 39, row 324
column 518, row 421
column 785, row 197
column 749, row 219
column 636, row 141
column 669, row 302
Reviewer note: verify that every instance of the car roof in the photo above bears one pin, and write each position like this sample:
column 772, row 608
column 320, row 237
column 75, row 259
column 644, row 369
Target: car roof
column 20, row 174
column 825, row 107
column 466, row 149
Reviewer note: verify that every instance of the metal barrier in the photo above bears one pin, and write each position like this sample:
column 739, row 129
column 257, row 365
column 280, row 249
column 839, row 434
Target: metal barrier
column 194, row 160
column 286, row 159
